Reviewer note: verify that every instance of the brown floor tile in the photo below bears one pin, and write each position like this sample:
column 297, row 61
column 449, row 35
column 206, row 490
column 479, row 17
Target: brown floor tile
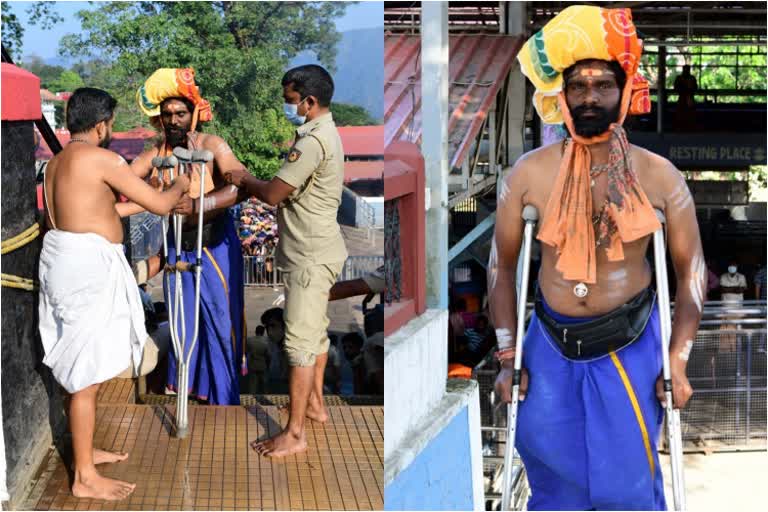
column 215, row 469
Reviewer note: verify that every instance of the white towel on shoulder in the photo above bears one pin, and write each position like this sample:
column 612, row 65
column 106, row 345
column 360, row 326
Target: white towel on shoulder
column 91, row 317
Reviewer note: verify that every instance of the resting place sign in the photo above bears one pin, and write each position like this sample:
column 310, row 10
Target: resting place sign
column 706, row 150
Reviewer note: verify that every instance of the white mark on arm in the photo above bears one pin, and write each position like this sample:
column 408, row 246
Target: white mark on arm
column 504, row 190
column 493, row 267
column 698, row 276
column 681, row 197
column 685, row 353
column 222, row 149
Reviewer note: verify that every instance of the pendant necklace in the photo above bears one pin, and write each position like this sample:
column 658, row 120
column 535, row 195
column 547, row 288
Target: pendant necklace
column 580, row 290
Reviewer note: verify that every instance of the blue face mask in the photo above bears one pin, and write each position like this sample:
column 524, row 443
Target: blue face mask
column 292, row 113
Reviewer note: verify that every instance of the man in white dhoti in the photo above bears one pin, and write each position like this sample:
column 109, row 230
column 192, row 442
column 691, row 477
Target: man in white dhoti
column 91, row 319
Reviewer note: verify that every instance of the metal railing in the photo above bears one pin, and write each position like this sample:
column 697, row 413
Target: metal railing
column 261, row 271
column 727, row 412
column 357, row 266
column 727, row 370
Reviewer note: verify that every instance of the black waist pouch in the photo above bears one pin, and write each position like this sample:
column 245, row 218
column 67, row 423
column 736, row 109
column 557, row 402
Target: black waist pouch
column 213, row 234
column 608, row 333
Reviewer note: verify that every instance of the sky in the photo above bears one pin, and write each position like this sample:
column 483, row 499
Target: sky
column 45, row 43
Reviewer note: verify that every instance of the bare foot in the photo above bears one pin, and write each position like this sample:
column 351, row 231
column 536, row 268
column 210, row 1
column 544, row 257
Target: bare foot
column 282, row 445
column 101, row 488
column 105, row 457
column 315, row 411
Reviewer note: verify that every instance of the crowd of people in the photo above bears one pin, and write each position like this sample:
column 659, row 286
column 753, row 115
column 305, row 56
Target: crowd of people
column 257, row 228
column 355, row 363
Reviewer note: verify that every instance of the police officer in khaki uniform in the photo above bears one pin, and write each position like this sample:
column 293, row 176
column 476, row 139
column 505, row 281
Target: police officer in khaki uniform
column 311, row 251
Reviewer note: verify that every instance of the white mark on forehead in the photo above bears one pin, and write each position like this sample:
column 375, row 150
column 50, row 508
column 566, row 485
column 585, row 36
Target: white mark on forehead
column 493, row 266
column 232, row 188
column 697, row 283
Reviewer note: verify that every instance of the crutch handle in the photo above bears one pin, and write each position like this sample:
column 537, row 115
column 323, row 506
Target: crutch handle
column 660, row 216
column 202, row 156
column 530, row 213
column 164, row 162
column 183, row 154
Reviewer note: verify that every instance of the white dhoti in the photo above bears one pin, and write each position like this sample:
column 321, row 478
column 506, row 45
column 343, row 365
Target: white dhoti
column 91, row 317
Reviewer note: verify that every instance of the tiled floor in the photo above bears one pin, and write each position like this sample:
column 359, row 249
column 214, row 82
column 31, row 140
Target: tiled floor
column 117, row 391
column 215, row 469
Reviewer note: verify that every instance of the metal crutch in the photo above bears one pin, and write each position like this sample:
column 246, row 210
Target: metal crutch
column 530, row 216
column 674, row 432
column 167, row 164
column 185, row 350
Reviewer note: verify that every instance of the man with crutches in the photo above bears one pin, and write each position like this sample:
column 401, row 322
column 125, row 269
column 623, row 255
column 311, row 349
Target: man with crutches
column 592, row 378
column 173, row 102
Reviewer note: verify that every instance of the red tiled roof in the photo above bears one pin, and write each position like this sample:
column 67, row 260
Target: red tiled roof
column 47, row 95
column 362, row 170
column 129, row 144
column 362, row 140
column 479, row 64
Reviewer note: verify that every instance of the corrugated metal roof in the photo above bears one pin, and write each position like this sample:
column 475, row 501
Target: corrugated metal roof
column 479, row 64
column 362, row 140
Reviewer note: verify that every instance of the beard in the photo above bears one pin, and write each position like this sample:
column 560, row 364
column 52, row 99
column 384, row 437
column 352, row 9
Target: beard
column 596, row 125
column 176, row 136
column 106, row 142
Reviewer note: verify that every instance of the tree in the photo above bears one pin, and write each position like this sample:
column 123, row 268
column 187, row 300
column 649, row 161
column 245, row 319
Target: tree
column 67, row 81
column 47, row 73
column 13, row 31
column 720, row 67
column 239, row 51
column 351, row 115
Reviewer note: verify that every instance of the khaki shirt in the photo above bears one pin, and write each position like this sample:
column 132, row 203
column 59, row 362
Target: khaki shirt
column 306, row 221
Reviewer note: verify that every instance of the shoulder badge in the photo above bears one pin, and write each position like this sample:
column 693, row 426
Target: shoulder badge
column 294, row 155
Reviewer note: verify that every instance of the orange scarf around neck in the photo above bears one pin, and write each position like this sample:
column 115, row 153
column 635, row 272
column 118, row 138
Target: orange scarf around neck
column 567, row 222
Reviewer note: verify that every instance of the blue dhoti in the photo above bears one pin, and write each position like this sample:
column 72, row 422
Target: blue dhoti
column 587, row 430
column 219, row 353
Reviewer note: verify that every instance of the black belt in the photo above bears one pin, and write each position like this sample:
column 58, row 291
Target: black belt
column 608, row 333
column 213, row 234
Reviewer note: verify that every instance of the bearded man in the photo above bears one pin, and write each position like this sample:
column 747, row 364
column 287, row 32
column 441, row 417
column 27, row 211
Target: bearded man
column 592, row 383
column 173, row 102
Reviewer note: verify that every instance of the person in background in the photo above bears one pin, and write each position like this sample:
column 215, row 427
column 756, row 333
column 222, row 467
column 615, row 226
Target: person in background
column 353, row 381
column 733, row 284
column 760, row 284
column 273, row 321
column 332, row 376
column 373, row 351
column 477, row 334
column 713, row 282
column 255, row 382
